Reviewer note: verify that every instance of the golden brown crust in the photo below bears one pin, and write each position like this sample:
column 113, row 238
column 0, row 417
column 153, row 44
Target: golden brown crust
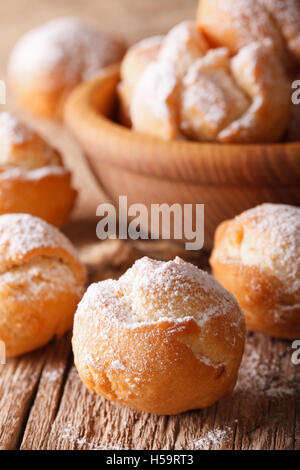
column 188, row 90
column 138, row 57
column 286, row 15
column 133, row 64
column 127, row 350
column 211, row 99
column 50, row 196
column 259, row 265
column 259, row 299
column 47, row 104
column 155, row 104
column 32, row 176
column 238, row 23
column 41, row 282
column 151, row 73
column 161, row 391
column 183, row 44
column 242, row 100
column 260, row 75
column 49, row 61
column 30, row 323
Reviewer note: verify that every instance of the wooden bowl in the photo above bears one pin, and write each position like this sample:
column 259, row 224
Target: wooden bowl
column 227, row 179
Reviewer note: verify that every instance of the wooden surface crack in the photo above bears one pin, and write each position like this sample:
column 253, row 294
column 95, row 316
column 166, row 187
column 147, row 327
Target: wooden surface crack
column 27, row 413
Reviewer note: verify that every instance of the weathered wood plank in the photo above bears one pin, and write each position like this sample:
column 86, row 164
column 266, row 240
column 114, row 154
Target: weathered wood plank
column 19, row 380
column 46, row 402
column 259, row 415
column 45, row 406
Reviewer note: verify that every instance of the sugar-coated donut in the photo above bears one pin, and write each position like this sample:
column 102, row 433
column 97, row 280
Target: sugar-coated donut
column 155, row 104
column 138, row 57
column 238, row 23
column 49, row 61
column 133, row 64
column 41, row 282
column 32, row 176
column 182, row 46
column 177, row 88
column 256, row 256
column 286, row 15
column 164, row 338
column 211, row 99
column 261, row 76
column 243, row 100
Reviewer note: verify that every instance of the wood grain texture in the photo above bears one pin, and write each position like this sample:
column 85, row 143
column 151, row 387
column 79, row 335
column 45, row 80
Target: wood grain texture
column 262, row 416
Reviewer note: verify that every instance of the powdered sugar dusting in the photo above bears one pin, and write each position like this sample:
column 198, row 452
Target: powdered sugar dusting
column 271, row 240
column 72, row 434
column 148, row 43
column 211, row 99
column 182, row 46
column 286, row 13
column 259, row 73
column 173, row 292
column 35, row 174
column 261, row 376
column 213, row 439
column 77, row 48
column 154, row 88
column 39, row 278
column 238, row 16
column 23, row 153
column 117, row 365
column 12, row 130
column 22, row 233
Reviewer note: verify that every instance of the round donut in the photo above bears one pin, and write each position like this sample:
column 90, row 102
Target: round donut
column 243, row 100
column 261, row 76
column 155, row 104
column 32, row 176
column 256, row 256
column 41, row 282
column 164, row 338
column 211, row 99
column 133, row 64
column 175, row 53
column 286, row 15
column 182, row 46
column 238, row 23
column 49, row 61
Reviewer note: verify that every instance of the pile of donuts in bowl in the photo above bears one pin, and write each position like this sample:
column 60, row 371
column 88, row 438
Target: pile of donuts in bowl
column 224, row 78
column 166, row 337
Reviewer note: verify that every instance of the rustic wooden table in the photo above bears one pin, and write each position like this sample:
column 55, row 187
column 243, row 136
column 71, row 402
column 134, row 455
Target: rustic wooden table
column 43, row 404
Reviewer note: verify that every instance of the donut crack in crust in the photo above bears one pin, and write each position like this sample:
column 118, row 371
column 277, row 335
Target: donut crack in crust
column 238, row 23
column 256, row 256
column 32, row 176
column 50, row 60
column 41, row 283
column 152, row 99
column 164, row 338
column 244, row 99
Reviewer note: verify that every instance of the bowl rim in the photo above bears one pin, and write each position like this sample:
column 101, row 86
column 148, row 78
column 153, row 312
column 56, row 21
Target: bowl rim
column 187, row 158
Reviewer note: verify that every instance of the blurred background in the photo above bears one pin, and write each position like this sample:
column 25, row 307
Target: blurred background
column 131, row 19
